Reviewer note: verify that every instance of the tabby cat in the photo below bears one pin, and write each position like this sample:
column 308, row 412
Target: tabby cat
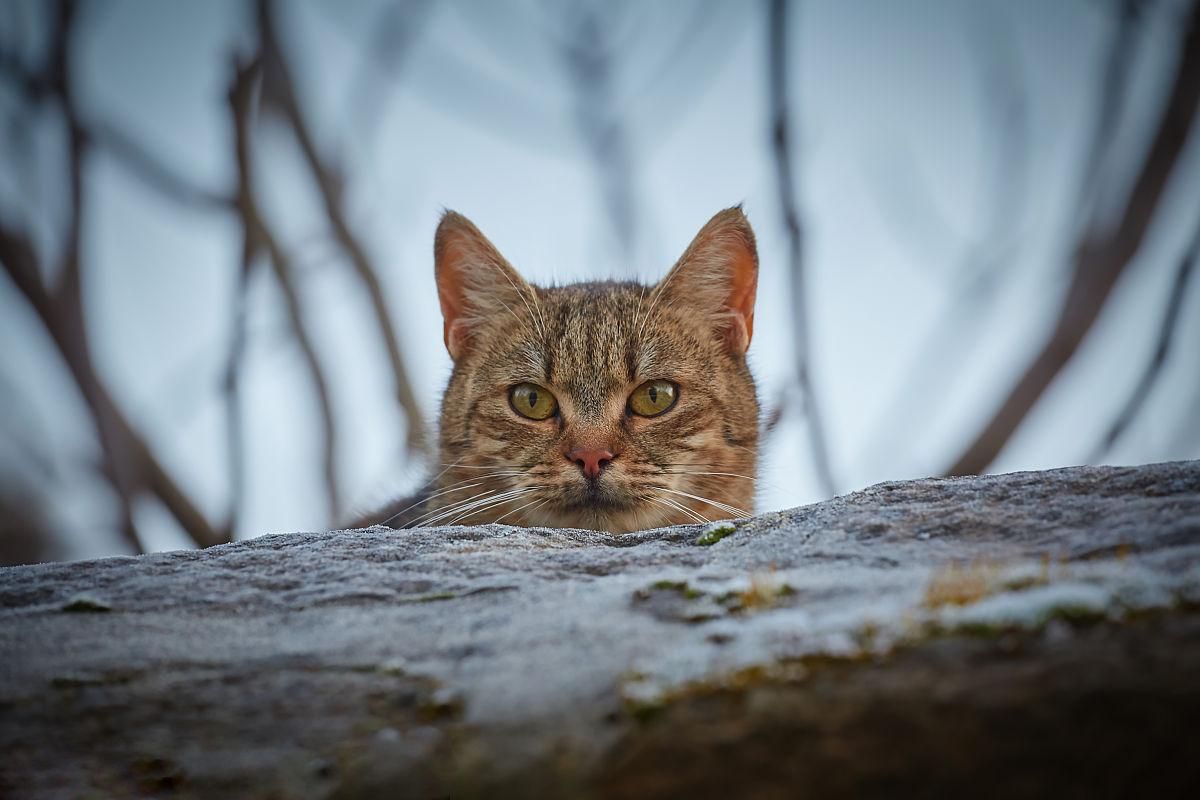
column 609, row 406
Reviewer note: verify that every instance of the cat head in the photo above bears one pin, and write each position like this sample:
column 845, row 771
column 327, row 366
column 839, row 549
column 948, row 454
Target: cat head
column 609, row 406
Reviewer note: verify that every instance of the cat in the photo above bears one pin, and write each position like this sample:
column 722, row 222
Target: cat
column 606, row 406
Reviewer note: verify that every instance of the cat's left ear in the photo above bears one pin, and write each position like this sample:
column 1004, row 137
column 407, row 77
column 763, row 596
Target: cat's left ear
column 475, row 283
column 717, row 276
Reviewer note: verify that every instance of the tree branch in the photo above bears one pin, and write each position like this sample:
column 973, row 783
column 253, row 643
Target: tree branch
column 777, row 65
column 1100, row 258
column 260, row 235
column 275, row 66
column 1141, row 391
column 117, row 434
column 128, row 461
column 153, row 171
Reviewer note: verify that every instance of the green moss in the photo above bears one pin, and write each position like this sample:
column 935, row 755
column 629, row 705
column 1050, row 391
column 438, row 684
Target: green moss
column 715, row 534
column 86, row 605
column 431, row 598
column 1076, row 615
column 680, row 587
column 642, row 711
column 82, row 680
column 443, row 704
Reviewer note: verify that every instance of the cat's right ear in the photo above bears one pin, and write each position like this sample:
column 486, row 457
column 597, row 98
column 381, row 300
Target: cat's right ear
column 717, row 278
column 474, row 281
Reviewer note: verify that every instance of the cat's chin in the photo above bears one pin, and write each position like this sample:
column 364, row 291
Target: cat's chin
column 596, row 513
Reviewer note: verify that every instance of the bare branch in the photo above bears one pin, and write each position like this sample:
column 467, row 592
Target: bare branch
column 152, row 170
column 1141, row 391
column 588, row 57
column 1118, row 65
column 983, row 267
column 129, row 463
column 127, row 456
column 1100, row 257
column 329, row 186
column 260, row 235
column 235, row 439
column 777, row 28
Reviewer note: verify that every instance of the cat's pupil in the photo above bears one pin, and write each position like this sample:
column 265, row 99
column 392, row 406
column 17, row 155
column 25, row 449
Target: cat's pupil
column 653, row 394
column 533, row 399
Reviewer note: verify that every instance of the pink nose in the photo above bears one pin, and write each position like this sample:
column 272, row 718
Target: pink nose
column 590, row 461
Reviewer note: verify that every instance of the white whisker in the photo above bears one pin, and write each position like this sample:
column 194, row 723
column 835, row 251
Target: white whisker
column 714, row 503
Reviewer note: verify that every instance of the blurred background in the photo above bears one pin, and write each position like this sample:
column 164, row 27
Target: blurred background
column 977, row 225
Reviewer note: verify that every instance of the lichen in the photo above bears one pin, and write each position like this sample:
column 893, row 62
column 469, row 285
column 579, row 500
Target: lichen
column 715, row 533
column 680, row 587
column 83, row 604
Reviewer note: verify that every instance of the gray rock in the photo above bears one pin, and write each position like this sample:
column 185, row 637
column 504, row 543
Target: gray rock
column 1007, row 635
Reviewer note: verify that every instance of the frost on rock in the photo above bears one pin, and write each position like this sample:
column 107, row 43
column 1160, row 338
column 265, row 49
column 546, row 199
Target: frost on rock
column 930, row 631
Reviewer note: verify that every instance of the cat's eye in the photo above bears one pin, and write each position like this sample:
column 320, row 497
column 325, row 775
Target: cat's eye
column 653, row 398
column 532, row 401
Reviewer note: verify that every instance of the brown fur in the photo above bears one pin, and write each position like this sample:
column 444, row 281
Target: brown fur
column 592, row 344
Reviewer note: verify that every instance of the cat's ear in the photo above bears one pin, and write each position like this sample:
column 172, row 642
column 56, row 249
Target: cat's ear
column 474, row 281
column 717, row 276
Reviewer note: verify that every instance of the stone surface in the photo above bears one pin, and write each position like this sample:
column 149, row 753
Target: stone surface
column 1003, row 635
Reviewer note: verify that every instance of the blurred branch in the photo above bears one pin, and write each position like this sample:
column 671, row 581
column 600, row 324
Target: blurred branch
column 121, row 443
column 153, row 171
column 777, row 30
column 36, row 86
column 235, row 439
column 986, row 259
column 393, row 34
column 588, row 57
column 258, row 235
column 1114, row 82
column 26, row 536
column 282, row 91
column 1101, row 256
column 1137, row 398
column 129, row 463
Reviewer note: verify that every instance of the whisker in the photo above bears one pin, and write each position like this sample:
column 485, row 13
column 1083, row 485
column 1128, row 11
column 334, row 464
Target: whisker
column 491, row 502
column 714, row 503
column 539, row 502
column 690, row 512
column 449, row 509
column 457, row 486
column 721, row 474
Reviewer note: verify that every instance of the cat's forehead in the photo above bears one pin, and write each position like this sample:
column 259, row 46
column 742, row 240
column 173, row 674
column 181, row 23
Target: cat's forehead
column 593, row 339
column 599, row 329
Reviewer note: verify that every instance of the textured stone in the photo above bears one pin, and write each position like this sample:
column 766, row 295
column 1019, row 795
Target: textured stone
column 1010, row 635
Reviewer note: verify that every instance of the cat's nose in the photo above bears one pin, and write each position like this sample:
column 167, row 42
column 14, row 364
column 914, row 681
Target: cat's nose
column 590, row 461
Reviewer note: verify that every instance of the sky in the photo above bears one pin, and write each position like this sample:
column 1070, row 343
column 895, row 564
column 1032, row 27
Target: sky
column 938, row 146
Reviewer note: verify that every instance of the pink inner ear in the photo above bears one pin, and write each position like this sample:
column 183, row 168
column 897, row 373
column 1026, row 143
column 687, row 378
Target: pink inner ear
column 455, row 335
column 448, row 258
column 743, row 284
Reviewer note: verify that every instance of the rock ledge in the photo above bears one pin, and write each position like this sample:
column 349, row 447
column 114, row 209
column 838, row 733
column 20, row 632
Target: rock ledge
column 1020, row 634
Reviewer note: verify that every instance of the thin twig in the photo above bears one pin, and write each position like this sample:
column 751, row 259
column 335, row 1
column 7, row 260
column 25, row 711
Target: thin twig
column 1100, row 258
column 777, row 27
column 152, row 170
column 1113, row 85
column 275, row 65
column 117, row 433
column 235, row 438
column 36, row 86
column 260, row 235
column 65, row 301
column 1141, row 392
column 987, row 257
column 587, row 55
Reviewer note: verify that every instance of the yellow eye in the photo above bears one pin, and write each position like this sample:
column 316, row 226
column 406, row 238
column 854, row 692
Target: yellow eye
column 532, row 401
column 653, row 398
